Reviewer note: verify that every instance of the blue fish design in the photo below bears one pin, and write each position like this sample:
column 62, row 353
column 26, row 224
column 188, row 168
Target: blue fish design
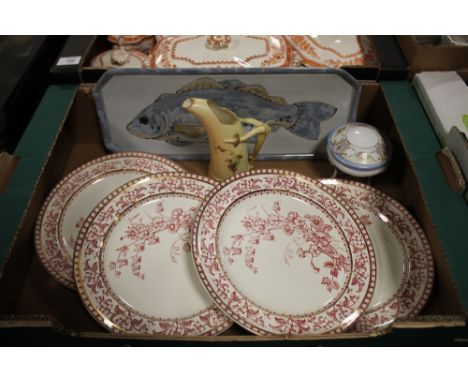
column 165, row 119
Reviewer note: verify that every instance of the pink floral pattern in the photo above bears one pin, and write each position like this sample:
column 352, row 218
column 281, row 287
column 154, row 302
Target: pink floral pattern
column 143, row 231
column 340, row 312
column 113, row 313
column 55, row 259
column 409, row 299
column 310, row 238
column 78, row 225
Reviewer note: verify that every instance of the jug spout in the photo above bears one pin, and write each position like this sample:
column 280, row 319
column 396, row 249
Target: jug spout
column 209, row 113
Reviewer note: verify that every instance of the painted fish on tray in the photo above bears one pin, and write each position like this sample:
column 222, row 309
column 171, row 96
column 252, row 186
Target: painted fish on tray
column 165, row 119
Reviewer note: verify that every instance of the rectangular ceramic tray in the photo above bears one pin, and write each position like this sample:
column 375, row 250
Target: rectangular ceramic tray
column 122, row 94
column 34, row 308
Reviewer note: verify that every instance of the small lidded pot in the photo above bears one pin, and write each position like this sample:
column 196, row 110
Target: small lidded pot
column 358, row 149
column 120, row 57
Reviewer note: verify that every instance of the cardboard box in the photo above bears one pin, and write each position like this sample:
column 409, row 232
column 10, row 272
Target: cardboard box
column 428, row 57
column 445, row 98
column 73, row 64
column 64, row 134
column 392, row 64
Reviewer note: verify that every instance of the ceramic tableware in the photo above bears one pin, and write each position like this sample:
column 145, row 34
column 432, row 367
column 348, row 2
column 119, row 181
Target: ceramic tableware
column 133, row 264
column 73, row 198
column 280, row 253
column 133, row 42
column 334, row 51
column 405, row 267
column 222, row 51
column 141, row 110
column 358, row 149
column 120, row 58
column 228, row 140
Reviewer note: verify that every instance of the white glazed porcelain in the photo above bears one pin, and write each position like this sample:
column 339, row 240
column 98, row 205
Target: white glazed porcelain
column 120, row 58
column 358, row 149
column 133, row 264
column 333, row 50
column 137, row 42
column 281, row 255
column 221, row 51
column 156, row 94
column 72, row 199
column 404, row 261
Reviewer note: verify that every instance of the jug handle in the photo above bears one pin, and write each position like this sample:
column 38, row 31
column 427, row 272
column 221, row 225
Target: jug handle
column 261, row 130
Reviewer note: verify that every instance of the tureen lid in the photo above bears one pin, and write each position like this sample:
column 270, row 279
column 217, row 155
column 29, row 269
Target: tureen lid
column 221, row 51
column 119, row 58
column 359, row 146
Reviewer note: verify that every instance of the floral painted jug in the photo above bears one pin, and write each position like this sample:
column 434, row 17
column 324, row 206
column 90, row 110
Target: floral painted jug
column 228, row 140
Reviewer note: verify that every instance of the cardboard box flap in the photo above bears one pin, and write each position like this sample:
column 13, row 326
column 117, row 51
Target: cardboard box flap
column 33, row 150
column 448, row 209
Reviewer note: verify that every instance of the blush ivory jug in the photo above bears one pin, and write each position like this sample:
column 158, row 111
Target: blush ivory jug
column 227, row 138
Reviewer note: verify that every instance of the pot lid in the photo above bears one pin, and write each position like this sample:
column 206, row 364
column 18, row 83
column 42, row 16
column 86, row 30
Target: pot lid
column 359, row 146
column 120, row 58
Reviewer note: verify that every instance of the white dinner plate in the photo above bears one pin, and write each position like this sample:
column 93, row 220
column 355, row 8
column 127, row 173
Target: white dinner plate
column 134, row 269
column 74, row 197
column 405, row 269
column 281, row 254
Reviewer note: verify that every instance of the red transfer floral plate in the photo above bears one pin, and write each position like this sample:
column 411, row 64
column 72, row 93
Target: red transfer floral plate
column 133, row 264
column 74, row 197
column 404, row 262
column 280, row 255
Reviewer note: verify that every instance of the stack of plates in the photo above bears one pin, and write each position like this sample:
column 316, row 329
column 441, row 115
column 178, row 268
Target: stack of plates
column 170, row 253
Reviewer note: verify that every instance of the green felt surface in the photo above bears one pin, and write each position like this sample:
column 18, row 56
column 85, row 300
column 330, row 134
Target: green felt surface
column 32, row 150
column 449, row 210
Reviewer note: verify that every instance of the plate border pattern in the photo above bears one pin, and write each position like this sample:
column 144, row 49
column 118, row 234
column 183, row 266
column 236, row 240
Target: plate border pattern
column 366, row 297
column 95, row 311
column 44, row 257
column 365, row 322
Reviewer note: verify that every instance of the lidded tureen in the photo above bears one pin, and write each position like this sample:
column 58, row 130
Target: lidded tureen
column 221, row 51
column 358, row 149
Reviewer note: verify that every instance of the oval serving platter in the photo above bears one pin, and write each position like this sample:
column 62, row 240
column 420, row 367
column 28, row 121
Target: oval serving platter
column 133, row 264
column 75, row 196
column 405, row 269
column 280, row 255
